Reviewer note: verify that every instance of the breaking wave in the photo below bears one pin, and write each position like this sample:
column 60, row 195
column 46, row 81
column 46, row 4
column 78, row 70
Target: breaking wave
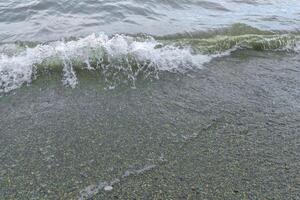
column 128, row 56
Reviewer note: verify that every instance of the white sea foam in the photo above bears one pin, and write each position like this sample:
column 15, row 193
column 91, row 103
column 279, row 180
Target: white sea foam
column 121, row 52
column 90, row 191
column 16, row 70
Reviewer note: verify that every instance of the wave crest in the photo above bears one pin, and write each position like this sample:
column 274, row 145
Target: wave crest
column 123, row 53
column 126, row 56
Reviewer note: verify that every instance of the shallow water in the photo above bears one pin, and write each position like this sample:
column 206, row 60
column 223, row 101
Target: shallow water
column 149, row 100
column 230, row 130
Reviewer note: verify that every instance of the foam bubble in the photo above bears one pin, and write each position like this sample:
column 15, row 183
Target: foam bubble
column 16, row 70
column 126, row 55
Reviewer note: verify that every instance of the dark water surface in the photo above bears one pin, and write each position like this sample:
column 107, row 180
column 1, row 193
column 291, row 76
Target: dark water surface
column 149, row 99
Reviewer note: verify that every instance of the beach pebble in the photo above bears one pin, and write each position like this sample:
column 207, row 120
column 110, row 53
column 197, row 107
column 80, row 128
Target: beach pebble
column 108, row 188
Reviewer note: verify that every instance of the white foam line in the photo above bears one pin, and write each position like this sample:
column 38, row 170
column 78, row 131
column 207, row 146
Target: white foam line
column 18, row 69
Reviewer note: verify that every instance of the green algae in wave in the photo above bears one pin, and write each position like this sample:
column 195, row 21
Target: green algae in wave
column 127, row 58
column 236, row 36
column 220, row 44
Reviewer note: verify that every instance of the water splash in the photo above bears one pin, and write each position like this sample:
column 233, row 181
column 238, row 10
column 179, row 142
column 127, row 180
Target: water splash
column 123, row 57
column 123, row 53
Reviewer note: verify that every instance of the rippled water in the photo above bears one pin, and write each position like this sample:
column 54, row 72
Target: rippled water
column 158, row 99
column 44, row 20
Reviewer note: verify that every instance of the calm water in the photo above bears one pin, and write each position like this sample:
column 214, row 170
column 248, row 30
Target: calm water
column 184, row 99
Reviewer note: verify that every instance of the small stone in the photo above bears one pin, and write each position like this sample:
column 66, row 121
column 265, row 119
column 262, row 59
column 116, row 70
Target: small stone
column 92, row 161
column 108, row 188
